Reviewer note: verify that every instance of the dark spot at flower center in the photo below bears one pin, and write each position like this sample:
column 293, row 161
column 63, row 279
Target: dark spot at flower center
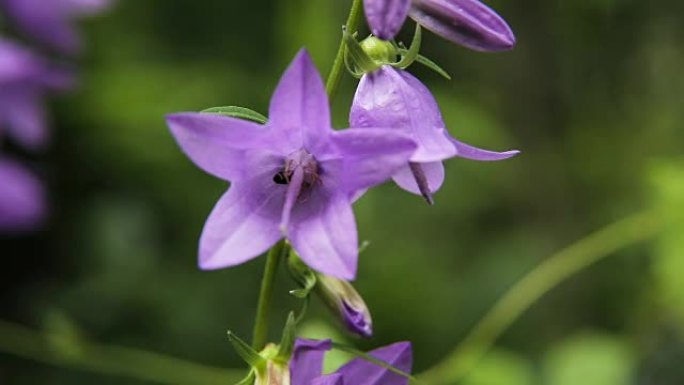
column 281, row 178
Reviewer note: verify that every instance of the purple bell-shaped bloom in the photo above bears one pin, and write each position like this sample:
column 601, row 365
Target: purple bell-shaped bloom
column 465, row 22
column 50, row 21
column 306, row 365
column 390, row 97
column 22, row 198
column 25, row 78
column 294, row 177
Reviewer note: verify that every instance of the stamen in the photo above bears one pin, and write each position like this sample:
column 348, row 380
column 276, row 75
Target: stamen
column 293, row 190
column 422, row 182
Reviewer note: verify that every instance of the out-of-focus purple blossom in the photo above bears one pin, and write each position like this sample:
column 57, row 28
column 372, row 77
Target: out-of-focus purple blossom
column 394, row 98
column 306, row 365
column 22, row 198
column 293, row 177
column 50, row 21
column 466, row 22
column 25, row 78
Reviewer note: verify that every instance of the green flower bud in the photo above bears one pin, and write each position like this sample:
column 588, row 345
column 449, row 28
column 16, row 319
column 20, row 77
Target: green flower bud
column 380, row 51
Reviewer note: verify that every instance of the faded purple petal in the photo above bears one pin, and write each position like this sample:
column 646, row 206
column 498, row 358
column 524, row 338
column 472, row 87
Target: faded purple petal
column 50, row 21
column 434, row 173
column 323, row 231
column 385, row 17
column 466, row 22
column 469, row 152
column 362, row 372
column 395, row 99
column 330, row 379
column 217, row 144
column 244, row 222
column 307, row 360
column 299, row 112
column 22, row 198
column 373, row 156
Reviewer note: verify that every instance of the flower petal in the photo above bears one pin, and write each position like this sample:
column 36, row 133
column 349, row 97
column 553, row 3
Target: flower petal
column 434, row 174
column 22, row 109
column 362, row 372
column 371, row 156
column 329, row 379
column 299, row 113
column 395, row 99
column 466, row 22
column 217, row 143
column 22, row 198
column 323, row 232
column 307, row 360
column 385, row 17
column 243, row 224
column 469, row 152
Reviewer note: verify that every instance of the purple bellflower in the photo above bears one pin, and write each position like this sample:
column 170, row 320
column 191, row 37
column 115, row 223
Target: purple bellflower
column 465, row 22
column 293, row 177
column 22, row 198
column 390, row 97
column 50, row 21
column 307, row 363
column 25, row 78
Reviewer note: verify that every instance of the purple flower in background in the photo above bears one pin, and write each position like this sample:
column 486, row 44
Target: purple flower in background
column 466, row 22
column 391, row 97
column 22, row 198
column 25, row 78
column 293, row 177
column 307, row 364
column 50, row 21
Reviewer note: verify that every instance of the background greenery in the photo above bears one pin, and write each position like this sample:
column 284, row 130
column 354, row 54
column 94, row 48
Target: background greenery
column 592, row 95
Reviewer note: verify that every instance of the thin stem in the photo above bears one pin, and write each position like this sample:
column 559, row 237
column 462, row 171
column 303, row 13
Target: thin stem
column 534, row 285
column 81, row 354
column 338, row 65
column 266, row 294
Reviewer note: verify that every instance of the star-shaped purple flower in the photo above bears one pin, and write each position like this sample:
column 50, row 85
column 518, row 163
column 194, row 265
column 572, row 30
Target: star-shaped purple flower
column 25, row 78
column 293, row 177
column 22, row 198
column 465, row 22
column 50, row 21
column 390, row 97
column 307, row 363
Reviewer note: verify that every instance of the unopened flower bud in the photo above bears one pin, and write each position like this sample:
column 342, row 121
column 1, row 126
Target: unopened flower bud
column 341, row 297
column 380, row 51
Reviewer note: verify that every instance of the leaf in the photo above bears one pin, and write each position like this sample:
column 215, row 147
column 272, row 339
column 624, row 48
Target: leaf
column 237, row 112
column 428, row 63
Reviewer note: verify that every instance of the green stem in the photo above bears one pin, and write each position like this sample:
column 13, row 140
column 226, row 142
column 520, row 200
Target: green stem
column 338, row 65
column 534, row 285
column 266, row 294
column 78, row 353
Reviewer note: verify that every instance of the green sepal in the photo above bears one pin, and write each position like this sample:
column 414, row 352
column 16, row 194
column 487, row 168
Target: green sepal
column 288, row 339
column 249, row 380
column 363, row 355
column 237, row 112
column 428, row 63
column 246, row 352
column 359, row 57
column 349, row 66
column 411, row 55
column 363, row 246
column 302, row 274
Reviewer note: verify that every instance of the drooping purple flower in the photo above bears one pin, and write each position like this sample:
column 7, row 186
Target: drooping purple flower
column 465, row 22
column 50, row 21
column 293, row 177
column 390, row 97
column 25, row 78
column 22, row 198
column 307, row 363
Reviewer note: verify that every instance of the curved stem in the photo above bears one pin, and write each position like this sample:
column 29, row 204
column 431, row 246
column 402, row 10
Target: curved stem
column 534, row 285
column 80, row 354
column 266, row 294
column 338, row 65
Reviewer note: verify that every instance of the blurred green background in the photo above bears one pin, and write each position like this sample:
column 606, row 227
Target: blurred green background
column 592, row 95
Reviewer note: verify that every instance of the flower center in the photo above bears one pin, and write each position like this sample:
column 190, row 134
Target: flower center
column 302, row 161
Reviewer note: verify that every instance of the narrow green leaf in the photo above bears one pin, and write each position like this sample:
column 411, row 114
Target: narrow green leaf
column 428, row 63
column 373, row 360
column 246, row 352
column 288, row 339
column 237, row 112
column 412, row 53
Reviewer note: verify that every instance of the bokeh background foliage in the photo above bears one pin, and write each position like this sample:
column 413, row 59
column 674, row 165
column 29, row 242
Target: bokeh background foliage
column 592, row 95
